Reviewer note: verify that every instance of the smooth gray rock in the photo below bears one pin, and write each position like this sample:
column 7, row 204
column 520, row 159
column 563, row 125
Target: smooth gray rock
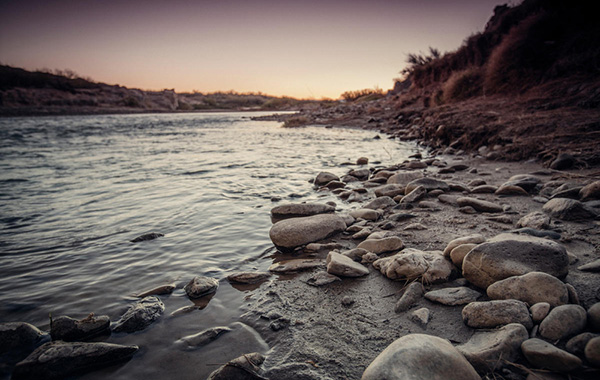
column 593, row 316
column 471, row 239
column 576, row 345
column 539, row 311
column 291, row 233
column 531, row 288
column 20, row 337
column 420, row 357
column 200, row 286
column 409, row 264
column 324, row 177
column 453, row 296
column 544, row 355
column 410, row 297
column 57, row 360
column 301, row 209
column 70, row 330
column 488, row 350
column 569, row 209
column 512, row 255
column 140, row 315
column 340, row 265
column 563, row 322
column 490, row 314
column 537, row 220
column 245, row 367
column 592, row 352
column 380, row 203
column 457, row 255
column 479, row 205
column 386, row 244
column 248, row 277
column 203, row 337
column 428, row 183
column 296, row 265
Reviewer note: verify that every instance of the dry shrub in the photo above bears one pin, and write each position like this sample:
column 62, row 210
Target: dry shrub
column 463, row 85
column 296, row 121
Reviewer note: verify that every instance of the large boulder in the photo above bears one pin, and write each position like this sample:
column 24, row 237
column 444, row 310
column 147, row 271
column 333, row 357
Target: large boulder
column 532, row 288
column 563, row 322
column 409, row 264
column 340, row 265
column 70, row 330
column 140, row 315
column 488, row 350
column 509, row 255
column 542, row 354
column 291, row 233
column 301, row 209
column 490, row 314
column 57, row 360
column 569, row 209
column 420, row 357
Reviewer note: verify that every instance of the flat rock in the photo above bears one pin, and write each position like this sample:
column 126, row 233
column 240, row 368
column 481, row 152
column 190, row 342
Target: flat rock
column 380, row 203
column 20, row 337
column 403, row 178
column 537, row 220
column 162, row 289
column 412, row 263
column 478, row 204
column 544, row 355
column 428, row 183
column 248, row 277
column 245, row 367
column 488, row 350
column 140, row 315
column 325, row 177
column 366, row 214
column 389, row 190
column 510, row 255
column 471, row 239
column 592, row 352
column 200, row 286
column 296, row 265
column 490, row 314
column 57, row 360
column 291, row 233
column 569, row 209
column 448, row 199
column 531, row 288
column 410, row 297
column 457, row 255
column 147, row 237
column 322, row 278
column 563, row 322
column 453, row 296
column 420, row 357
column 203, row 337
column 70, row 330
column 590, row 191
column 301, row 209
column 340, row 265
column 386, row 244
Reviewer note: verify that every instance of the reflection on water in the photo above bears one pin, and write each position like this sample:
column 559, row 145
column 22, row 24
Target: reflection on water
column 74, row 192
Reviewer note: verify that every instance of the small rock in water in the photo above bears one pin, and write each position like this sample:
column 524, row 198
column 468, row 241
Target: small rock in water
column 146, row 237
column 248, row 277
column 70, row 330
column 245, row 367
column 140, row 315
column 544, row 355
column 58, row 360
column 203, row 338
column 200, row 286
column 163, row 289
column 322, row 278
column 411, row 296
column 362, row 161
column 294, row 232
column 453, row 296
column 325, row 177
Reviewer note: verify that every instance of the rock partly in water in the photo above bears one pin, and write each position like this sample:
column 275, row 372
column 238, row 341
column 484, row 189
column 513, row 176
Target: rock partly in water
column 420, row 357
column 202, row 338
column 544, row 355
column 576, row 345
column 489, row 350
column 57, row 360
column 569, row 209
column 19, row 339
column 291, row 233
column 70, row 330
column 490, row 314
column 411, row 296
column 479, row 205
column 146, row 237
column 386, row 244
column 453, row 296
column 431, row 267
column 531, row 288
column 245, row 367
column 300, row 209
column 324, row 177
column 140, row 315
column 162, row 289
column 340, row 265
column 513, row 255
column 563, row 322
column 200, row 286
column 248, row 277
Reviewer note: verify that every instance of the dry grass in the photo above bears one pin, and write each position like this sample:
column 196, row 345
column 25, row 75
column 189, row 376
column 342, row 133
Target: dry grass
column 296, row 121
column 462, row 85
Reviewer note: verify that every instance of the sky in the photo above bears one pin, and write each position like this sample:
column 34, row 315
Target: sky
column 301, row 48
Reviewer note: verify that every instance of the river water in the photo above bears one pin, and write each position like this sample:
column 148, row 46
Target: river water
column 75, row 190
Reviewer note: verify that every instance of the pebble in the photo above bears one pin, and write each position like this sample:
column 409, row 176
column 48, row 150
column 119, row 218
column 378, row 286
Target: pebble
column 291, row 233
column 390, row 190
column 340, row 265
column 159, row 290
column 531, row 288
column 411, row 296
column 140, row 315
column 146, row 237
column 362, row 161
column 479, row 205
column 489, row 314
column 245, row 367
column 295, row 265
column 413, row 356
column 421, row 316
column 361, row 174
column 563, row 322
column 483, row 189
column 200, row 286
column 453, row 296
column 544, row 355
column 511, row 190
column 366, row 214
column 248, row 277
column 428, row 183
column 202, row 338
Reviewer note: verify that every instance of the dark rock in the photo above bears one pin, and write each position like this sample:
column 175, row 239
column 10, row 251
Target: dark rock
column 428, row 183
column 576, row 345
column 537, row 233
column 20, row 337
column 146, row 237
column 388, row 244
column 324, row 177
column 525, row 181
column 140, row 315
column 362, row 161
column 563, row 161
column 593, row 316
column 163, row 289
column 200, row 286
column 590, row 191
column 544, row 355
column 202, row 338
column 70, row 330
column 569, row 209
column 592, row 352
column 57, row 360
column 296, row 265
column 361, row 174
column 245, row 367
column 490, row 314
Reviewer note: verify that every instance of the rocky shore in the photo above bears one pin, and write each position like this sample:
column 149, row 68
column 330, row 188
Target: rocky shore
column 444, row 266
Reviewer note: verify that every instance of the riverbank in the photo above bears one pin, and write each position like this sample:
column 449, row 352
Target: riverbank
column 336, row 330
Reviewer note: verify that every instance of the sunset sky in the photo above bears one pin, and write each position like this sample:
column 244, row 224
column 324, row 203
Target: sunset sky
column 314, row 48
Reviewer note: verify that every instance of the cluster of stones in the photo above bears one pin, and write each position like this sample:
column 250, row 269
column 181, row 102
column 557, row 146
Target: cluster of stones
column 512, row 285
